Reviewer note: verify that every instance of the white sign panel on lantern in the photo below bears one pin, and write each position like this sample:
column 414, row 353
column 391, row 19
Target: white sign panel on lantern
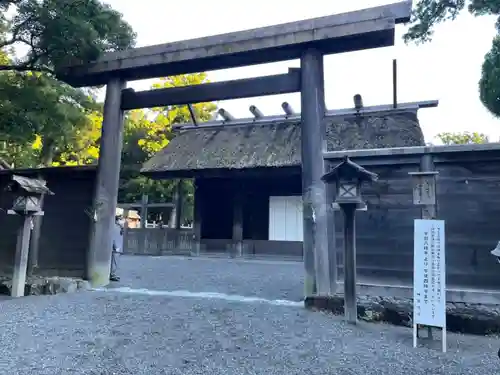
column 429, row 274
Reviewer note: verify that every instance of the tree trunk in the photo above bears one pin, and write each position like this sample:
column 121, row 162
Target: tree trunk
column 47, row 153
column 46, row 159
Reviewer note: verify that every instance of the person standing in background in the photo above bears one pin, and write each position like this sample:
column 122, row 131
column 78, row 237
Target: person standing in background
column 117, row 237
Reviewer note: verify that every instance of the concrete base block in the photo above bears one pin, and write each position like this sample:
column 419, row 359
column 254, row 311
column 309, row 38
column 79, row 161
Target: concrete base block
column 38, row 285
column 461, row 317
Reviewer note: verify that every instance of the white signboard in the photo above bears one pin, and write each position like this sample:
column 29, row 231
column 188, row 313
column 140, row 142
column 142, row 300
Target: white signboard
column 429, row 274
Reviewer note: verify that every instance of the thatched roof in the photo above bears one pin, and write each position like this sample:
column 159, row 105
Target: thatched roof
column 277, row 144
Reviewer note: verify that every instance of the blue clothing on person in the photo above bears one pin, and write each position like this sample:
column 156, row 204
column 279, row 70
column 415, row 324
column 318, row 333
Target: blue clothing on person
column 117, row 238
column 117, row 241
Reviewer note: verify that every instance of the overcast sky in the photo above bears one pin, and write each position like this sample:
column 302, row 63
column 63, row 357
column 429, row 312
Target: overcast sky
column 447, row 69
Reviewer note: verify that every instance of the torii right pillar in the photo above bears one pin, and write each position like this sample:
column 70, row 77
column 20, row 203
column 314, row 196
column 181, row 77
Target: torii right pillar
column 319, row 262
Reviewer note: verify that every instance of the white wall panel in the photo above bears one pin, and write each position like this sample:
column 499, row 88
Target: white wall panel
column 285, row 219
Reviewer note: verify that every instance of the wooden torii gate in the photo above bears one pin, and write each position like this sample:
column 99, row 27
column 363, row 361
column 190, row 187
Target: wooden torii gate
column 307, row 40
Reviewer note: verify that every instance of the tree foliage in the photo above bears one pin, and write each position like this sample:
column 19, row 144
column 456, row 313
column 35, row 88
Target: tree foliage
column 58, row 33
column 52, row 110
column 145, row 133
column 38, row 38
column 489, row 84
column 463, row 138
column 46, row 122
column 428, row 13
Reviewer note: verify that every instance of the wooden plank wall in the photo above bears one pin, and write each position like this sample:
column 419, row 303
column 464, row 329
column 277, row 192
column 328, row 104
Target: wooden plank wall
column 8, row 227
column 65, row 227
column 468, row 198
column 468, row 195
column 65, row 233
column 469, row 201
column 385, row 230
column 167, row 241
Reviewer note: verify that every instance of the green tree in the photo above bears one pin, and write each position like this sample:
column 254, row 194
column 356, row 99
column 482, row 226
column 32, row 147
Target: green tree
column 146, row 133
column 35, row 108
column 428, row 13
column 59, row 33
column 35, row 104
column 489, row 84
column 462, row 138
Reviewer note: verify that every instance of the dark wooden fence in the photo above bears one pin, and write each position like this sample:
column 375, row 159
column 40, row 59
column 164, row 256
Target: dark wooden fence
column 167, row 241
column 65, row 226
column 468, row 199
column 158, row 241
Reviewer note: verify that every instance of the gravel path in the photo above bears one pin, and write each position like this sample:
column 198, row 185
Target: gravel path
column 119, row 333
column 266, row 279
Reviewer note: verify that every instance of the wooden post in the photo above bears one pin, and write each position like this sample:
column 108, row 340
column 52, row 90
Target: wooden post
column 126, row 213
column 21, row 259
column 425, row 199
column 429, row 211
column 179, row 206
column 106, row 192
column 35, row 239
column 197, row 218
column 144, row 210
column 173, row 213
column 238, row 223
column 350, row 304
column 176, row 214
column 313, row 189
column 332, row 238
column 143, row 239
column 394, row 83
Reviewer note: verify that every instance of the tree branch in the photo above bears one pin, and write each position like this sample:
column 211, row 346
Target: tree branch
column 15, row 34
column 25, row 68
column 8, row 43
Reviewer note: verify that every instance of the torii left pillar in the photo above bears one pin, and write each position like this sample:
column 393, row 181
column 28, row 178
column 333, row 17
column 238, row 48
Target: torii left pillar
column 106, row 190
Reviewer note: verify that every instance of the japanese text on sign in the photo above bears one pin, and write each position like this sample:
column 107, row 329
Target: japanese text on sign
column 429, row 276
column 424, row 190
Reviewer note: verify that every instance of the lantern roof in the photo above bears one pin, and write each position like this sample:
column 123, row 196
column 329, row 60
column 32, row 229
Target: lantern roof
column 29, row 185
column 348, row 169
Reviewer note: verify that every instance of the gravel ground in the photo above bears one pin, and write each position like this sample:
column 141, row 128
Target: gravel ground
column 266, row 279
column 118, row 333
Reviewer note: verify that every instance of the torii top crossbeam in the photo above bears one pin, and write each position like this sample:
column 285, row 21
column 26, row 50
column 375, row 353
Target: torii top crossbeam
column 352, row 31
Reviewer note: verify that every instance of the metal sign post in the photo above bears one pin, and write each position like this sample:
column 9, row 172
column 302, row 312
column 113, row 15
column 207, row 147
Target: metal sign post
column 429, row 277
column 429, row 273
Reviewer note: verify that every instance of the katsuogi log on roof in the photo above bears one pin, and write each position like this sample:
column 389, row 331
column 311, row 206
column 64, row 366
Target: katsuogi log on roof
column 278, row 143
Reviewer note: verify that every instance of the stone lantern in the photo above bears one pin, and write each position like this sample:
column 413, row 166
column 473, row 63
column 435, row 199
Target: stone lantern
column 348, row 177
column 27, row 194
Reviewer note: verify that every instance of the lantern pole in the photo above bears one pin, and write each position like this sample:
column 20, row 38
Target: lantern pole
column 27, row 194
column 350, row 306
column 348, row 177
column 21, row 258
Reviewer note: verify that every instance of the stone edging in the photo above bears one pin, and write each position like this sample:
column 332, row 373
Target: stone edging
column 37, row 285
column 460, row 317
